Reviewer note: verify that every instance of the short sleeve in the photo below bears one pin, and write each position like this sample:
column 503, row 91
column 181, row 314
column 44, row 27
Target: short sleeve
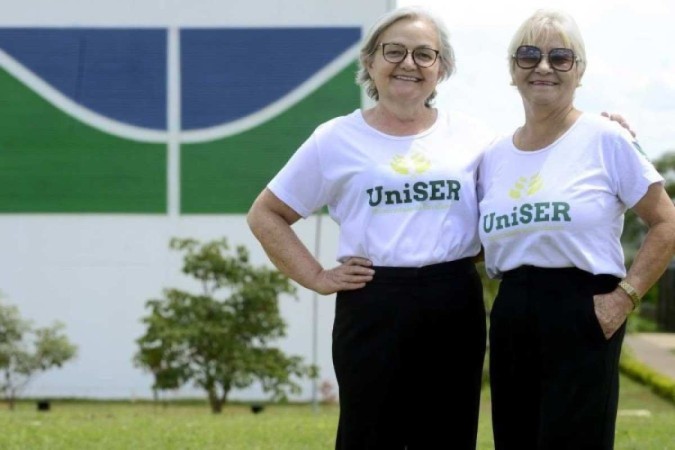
column 630, row 170
column 301, row 183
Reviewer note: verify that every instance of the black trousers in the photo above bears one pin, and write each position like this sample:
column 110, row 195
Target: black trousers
column 553, row 374
column 408, row 353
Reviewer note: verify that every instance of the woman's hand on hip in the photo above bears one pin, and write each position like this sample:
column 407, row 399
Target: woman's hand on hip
column 611, row 309
column 352, row 274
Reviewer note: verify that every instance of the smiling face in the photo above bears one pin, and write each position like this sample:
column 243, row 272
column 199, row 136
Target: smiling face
column 542, row 85
column 406, row 82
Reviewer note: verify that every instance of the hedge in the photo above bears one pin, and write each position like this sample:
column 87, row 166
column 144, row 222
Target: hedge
column 662, row 385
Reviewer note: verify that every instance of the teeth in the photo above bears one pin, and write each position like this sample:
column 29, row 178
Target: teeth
column 406, row 78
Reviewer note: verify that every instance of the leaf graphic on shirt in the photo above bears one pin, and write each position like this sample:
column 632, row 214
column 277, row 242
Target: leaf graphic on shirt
column 417, row 163
column 399, row 164
column 420, row 162
column 536, row 183
column 515, row 193
column 526, row 186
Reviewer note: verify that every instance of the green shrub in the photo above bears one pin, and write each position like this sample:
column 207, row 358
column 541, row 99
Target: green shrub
column 659, row 384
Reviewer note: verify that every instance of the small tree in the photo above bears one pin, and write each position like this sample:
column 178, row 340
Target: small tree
column 220, row 344
column 25, row 351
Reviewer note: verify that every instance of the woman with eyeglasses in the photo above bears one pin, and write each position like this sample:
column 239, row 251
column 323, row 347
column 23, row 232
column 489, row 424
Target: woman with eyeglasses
column 399, row 179
column 552, row 201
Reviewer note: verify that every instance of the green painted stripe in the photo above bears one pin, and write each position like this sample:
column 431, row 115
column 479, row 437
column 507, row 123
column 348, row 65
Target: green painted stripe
column 225, row 176
column 52, row 163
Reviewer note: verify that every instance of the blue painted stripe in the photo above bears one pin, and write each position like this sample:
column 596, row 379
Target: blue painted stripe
column 226, row 74
column 230, row 73
column 118, row 73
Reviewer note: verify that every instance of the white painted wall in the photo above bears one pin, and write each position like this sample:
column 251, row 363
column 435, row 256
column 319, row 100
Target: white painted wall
column 162, row 13
column 95, row 272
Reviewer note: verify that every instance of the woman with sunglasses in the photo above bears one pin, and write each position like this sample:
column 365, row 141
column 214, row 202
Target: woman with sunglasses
column 552, row 200
column 399, row 179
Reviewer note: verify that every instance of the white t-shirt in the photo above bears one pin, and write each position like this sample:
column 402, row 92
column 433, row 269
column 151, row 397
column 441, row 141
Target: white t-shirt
column 402, row 201
column 562, row 206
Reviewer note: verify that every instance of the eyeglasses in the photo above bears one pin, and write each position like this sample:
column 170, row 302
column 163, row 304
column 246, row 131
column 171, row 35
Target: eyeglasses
column 560, row 59
column 422, row 56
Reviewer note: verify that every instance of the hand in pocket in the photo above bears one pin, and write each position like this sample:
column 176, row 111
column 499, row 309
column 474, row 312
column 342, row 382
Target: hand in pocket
column 611, row 310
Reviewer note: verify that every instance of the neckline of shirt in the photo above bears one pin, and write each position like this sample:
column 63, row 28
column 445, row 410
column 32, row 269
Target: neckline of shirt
column 552, row 145
column 440, row 117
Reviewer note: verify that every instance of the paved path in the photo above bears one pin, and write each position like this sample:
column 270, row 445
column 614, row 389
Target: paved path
column 657, row 350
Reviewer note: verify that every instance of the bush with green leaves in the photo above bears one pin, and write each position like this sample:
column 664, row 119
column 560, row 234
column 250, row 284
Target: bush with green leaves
column 659, row 383
column 220, row 339
column 26, row 351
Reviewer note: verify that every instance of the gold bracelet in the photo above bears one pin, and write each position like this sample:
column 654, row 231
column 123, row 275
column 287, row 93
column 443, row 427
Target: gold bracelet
column 632, row 293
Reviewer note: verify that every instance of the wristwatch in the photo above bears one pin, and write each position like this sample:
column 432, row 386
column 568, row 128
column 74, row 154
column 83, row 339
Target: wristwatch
column 632, row 293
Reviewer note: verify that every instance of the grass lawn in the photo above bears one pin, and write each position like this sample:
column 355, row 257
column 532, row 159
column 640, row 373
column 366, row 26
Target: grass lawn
column 645, row 422
column 637, row 431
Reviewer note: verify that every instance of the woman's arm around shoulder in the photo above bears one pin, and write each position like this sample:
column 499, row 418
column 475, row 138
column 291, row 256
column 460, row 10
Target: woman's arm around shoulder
column 270, row 220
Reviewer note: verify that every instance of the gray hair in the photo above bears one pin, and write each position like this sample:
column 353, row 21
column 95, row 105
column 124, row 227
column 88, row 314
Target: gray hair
column 541, row 25
column 446, row 55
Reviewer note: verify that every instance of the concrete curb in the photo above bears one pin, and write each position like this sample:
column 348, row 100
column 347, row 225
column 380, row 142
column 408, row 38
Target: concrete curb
column 655, row 350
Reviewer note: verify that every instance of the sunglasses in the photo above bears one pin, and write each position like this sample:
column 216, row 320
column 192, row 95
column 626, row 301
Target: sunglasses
column 560, row 59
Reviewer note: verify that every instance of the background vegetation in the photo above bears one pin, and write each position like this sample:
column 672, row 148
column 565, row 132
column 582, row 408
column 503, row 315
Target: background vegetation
column 645, row 423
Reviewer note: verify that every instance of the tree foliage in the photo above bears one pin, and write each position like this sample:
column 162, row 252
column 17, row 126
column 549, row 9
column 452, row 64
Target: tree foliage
column 221, row 338
column 25, row 351
column 666, row 167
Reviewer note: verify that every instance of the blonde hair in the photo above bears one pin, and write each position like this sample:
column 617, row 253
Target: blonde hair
column 543, row 24
column 446, row 56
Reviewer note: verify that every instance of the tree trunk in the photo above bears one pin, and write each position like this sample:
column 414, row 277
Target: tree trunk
column 215, row 402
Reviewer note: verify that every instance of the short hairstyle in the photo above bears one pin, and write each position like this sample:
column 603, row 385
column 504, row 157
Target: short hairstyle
column 543, row 24
column 370, row 44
